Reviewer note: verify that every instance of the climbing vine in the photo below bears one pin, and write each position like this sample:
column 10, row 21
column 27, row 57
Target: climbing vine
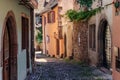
column 86, row 14
column 81, row 15
column 86, row 3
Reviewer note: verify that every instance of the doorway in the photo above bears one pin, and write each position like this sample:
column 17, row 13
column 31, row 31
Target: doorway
column 104, row 45
column 9, row 49
column 57, row 47
column 65, row 46
column 25, row 40
column 6, row 56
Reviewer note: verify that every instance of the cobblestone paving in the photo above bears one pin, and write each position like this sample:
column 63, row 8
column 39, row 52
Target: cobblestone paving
column 60, row 70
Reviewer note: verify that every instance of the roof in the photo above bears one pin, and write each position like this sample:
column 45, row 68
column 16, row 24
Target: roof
column 40, row 6
column 51, row 4
column 29, row 3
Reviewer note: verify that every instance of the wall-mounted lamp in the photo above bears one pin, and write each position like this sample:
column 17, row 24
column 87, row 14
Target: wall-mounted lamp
column 117, row 4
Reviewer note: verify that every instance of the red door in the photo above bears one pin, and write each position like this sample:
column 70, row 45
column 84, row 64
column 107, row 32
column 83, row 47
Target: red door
column 6, row 67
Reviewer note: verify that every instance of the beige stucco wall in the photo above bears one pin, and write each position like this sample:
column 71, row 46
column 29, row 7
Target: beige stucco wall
column 67, row 30
column 67, row 26
column 7, row 5
column 107, row 14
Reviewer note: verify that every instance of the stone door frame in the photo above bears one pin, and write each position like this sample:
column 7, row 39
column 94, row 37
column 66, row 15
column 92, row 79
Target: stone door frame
column 13, row 42
column 101, row 35
column 65, row 46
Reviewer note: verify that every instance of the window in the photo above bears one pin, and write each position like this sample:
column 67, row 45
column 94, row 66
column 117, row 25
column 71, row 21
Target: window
column 51, row 17
column 117, row 59
column 92, row 37
column 25, row 33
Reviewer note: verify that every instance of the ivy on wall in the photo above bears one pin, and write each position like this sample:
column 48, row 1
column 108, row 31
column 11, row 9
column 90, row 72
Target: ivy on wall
column 81, row 15
column 86, row 3
column 86, row 14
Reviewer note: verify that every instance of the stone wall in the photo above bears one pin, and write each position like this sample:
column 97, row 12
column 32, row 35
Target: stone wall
column 80, row 41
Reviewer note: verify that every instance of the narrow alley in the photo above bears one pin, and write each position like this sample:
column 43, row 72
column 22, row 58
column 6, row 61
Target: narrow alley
column 59, row 40
column 48, row 68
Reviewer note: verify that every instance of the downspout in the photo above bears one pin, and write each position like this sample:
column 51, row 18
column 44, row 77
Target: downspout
column 44, row 34
column 32, row 36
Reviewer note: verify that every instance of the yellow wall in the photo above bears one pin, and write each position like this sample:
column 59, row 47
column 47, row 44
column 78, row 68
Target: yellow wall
column 50, row 28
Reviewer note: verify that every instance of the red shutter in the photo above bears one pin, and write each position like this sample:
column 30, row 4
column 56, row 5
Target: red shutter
column 53, row 16
column 44, row 20
column 48, row 16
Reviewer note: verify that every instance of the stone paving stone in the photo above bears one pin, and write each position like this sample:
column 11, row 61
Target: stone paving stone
column 66, row 71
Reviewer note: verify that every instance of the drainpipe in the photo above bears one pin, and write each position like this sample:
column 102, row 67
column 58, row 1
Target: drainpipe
column 44, row 26
column 32, row 36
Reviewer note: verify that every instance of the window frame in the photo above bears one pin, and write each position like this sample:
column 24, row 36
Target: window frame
column 51, row 17
column 92, row 37
column 24, row 39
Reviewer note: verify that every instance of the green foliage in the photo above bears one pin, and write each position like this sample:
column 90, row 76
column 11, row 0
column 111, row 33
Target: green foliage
column 87, row 3
column 72, row 14
column 39, row 36
column 81, row 15
column 40, row 29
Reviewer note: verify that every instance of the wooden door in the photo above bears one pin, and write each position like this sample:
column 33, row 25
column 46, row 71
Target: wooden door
column 108, row 47
column 25, row 38
column 65, row 46
column 6, row 63
column 57, row 47
column 27, row 41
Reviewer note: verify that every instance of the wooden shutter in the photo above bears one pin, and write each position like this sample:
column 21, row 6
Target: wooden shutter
column 48, row 16
column 53, row 16
column 23, row 33
column 44, row 20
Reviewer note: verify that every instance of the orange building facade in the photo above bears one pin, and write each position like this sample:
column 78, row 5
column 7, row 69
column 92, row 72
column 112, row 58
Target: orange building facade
column 52, row 40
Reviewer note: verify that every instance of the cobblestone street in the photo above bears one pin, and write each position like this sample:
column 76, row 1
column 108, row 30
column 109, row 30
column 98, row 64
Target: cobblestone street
column 54, row 69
